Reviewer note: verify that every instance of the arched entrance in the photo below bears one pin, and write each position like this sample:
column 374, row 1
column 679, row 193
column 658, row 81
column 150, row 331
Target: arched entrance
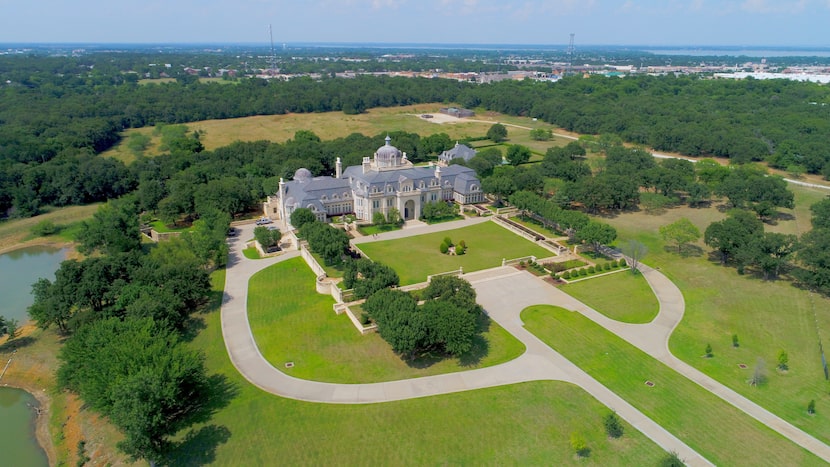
column 409, row 210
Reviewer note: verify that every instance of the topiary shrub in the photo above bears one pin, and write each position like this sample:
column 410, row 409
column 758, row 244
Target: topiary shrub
column 448, row 241
column 591, row 270
column 444, row 248
column 583, row 272
column 566, row 275
column 622, row 262
column 606, row 266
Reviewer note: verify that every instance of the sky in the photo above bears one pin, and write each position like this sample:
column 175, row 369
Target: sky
column 546, row 22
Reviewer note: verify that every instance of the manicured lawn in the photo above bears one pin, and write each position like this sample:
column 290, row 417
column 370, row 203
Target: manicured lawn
column 767, row 316
column 292, row 323
column 719, row 431
column 527, row 424
column 161, row 227
column 621, row 296
column 376, row 229
column 251, row 253
column 414, row 258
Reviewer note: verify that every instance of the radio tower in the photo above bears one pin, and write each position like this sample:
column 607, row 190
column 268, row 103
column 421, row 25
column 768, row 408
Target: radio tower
column 273, row 57
column 570, row 55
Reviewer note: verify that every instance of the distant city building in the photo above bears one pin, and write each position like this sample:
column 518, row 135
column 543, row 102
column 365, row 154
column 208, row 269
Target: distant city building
column 381, row 183
column 456, row 112
column 460, row 151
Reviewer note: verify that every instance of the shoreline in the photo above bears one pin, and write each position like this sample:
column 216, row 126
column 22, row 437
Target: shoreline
column 42, row 434
column 40, row 241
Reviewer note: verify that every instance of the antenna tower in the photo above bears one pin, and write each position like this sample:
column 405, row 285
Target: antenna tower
column 570, row 55
column 273, row 57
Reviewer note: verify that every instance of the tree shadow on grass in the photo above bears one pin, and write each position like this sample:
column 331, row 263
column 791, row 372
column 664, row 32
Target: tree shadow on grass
column 192, row 327
column 17, row 343
column 686, row 251
column 199, row 446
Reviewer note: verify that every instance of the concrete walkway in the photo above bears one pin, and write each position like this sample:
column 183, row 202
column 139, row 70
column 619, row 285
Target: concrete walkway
column 503, row 293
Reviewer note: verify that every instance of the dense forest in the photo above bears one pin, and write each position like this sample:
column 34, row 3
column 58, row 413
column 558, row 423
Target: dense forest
column 57, row 114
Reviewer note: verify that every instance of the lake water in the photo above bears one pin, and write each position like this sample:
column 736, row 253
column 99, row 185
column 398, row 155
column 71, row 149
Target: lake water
column 18, row 445
column 20, row 269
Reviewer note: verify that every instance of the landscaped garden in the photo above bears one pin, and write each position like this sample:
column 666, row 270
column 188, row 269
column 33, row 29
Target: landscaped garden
column 291, row 322
column 622, row 296
column 716, row 429
column 414, row 258
column 527, row 423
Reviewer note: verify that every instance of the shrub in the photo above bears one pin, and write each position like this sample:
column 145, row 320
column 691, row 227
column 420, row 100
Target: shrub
column 554, row 275
column 566, row 275
column 579, row 445
column 522, row 263
column 591, row 270
column 448, row 241
column 735, row 341
column 444, row 248
column 462, row 244
column 44, row 228
column 622, row 262
column 783, row 361
column 613, row 425
column 672, row 459
column 606, row 266
column 708, row 350
column 811, row 407
column 583, row 272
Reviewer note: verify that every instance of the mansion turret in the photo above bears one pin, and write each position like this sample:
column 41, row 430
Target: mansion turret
column 388, row 180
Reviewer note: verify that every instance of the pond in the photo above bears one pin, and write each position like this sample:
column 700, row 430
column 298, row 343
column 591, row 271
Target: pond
column 20, row 269
column 18, row 445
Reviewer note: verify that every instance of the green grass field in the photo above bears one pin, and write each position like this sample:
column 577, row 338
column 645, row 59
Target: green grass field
column 526, row 424
column 621, row 296
column 719, row 431
column 19, row 231
column 767, row 316
column 414, row 258
column 291, row 322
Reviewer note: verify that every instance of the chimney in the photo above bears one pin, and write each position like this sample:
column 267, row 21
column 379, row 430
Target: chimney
column 338, row 168
column 367, row 164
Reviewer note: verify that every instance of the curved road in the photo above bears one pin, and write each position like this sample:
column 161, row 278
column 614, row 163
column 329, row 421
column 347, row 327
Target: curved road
column 503, row 293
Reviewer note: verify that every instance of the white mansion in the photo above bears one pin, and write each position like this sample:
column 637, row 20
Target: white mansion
column 387, row 181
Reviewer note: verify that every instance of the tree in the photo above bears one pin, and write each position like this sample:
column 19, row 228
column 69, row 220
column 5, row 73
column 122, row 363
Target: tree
column 266, row 237
column 596, row 234
column 811, row 407
column 497, row 133
column 680, row 232
column 113, row 228
column 708, row 351
column 207, row 238
column 367, row 277
column 613, row 425
column 378, row 218
column 541, row 134
column 814, row 255
column 301, row 217
column 393, row 216
column 518, row 154
column 635, row 251
column 499, row 185
column 759, row 373
column 769, row 251
column 139, row 375
column 821, row 214
column 328, row 242
column 733, row 233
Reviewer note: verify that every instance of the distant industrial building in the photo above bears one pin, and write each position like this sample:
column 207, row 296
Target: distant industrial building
column 456, row 112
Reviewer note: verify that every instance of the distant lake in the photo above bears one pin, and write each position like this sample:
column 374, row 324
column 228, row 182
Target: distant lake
column 738, row 52
column 20, row 269
column 18, row 444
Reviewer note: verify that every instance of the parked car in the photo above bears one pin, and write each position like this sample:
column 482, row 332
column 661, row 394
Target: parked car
column 264, row 221
column 233, row 232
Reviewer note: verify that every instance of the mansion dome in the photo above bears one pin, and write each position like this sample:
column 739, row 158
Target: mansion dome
column 302, row 175
column 388, row 155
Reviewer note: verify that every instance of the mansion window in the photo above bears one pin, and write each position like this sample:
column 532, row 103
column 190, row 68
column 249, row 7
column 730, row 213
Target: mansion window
column 375, row 204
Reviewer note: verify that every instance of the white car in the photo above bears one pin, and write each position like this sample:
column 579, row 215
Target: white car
column 263, row 221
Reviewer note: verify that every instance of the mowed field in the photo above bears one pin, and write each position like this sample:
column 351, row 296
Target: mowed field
column 767, row 316
column 524, row 424
column 331, row 125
